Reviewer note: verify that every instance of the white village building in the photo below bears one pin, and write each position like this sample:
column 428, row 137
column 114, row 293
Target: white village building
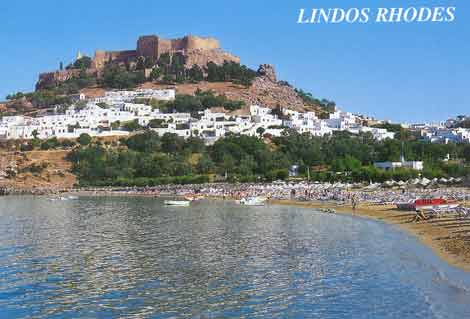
column 98, row 115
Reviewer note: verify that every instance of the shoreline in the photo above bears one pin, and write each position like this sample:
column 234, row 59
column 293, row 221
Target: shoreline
column 448, row 236
column 437, row 234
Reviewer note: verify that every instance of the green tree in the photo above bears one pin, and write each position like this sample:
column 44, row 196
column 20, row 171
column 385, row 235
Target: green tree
column 205, row 165
column 195, row 73
column 172, row 143
column 82, row 63
column 147, row 142
column 466, row 153
column 260, row 130
column 165, row 59
column 132, row 126
column 84, row 139
column 247, row 165
column 51, row 143
column 228, row 164
column 155, row 74
column 149, row 62
column 140, row 65
column 213, row 74
column 115, row 125
column 115, row 76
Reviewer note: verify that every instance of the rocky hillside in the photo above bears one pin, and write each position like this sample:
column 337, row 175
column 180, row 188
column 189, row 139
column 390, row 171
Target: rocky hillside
column 185, row 64
column 34, row 170
column 265, row 90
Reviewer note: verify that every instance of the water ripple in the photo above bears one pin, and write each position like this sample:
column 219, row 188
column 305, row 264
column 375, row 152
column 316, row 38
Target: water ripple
column 134, row 258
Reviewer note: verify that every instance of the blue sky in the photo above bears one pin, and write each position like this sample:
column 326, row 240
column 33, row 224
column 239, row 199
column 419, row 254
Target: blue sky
column 402, row 72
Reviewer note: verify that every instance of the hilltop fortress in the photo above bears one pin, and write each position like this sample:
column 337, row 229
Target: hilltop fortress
column 196, row 50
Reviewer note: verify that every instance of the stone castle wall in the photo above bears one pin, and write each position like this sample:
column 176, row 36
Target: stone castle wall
column 102, row 57
column 51, row 78
column 197, row 43
column 154, row 46
column 148, row 46
column 197, row 50
column 202, row 57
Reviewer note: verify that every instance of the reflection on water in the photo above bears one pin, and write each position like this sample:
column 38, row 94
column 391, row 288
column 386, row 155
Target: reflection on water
column 134, row 258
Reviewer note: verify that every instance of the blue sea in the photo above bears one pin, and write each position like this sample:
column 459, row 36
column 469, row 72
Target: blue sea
column 132, row 257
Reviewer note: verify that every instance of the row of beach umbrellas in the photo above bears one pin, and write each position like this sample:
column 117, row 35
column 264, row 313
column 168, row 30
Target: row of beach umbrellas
column 424, row 182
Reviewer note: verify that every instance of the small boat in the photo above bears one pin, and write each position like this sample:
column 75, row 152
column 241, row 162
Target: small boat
column 177, row 202
column 427, row 203
column 253, row 201
column 62, row 198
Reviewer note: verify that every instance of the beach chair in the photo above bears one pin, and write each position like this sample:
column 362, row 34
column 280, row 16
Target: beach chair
column 420, row 216
column 463, row 212
column 466, row 212
column 433, row 213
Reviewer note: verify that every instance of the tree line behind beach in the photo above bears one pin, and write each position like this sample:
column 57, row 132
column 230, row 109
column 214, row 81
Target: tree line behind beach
column 148, row 159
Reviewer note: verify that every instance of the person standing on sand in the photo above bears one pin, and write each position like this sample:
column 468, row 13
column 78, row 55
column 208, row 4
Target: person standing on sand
column 354, row 202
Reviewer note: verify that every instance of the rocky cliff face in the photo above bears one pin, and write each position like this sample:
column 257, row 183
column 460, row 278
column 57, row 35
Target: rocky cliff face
column 268, row 71
column 202, row 57
column 54, row 78
column 267, row 91
column 264, row 91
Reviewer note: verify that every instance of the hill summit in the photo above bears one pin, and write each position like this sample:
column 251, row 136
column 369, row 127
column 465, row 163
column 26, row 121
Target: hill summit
column 186, row 64
column 150, row 48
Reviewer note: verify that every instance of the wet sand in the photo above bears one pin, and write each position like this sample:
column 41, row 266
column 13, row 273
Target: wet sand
column 447, row 236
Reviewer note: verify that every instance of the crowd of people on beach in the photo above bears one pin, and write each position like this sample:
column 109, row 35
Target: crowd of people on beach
column 323, row 192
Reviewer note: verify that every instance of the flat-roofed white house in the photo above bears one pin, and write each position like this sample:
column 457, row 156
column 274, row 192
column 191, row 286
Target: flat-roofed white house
column 416, row 165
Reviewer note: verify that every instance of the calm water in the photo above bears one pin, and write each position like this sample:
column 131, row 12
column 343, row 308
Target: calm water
column 120, row 257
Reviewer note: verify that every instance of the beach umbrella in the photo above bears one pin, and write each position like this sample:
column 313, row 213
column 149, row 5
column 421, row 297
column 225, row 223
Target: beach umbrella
column 389, row 183
column 443, row 180
column 424, row 181
column 433, row 184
